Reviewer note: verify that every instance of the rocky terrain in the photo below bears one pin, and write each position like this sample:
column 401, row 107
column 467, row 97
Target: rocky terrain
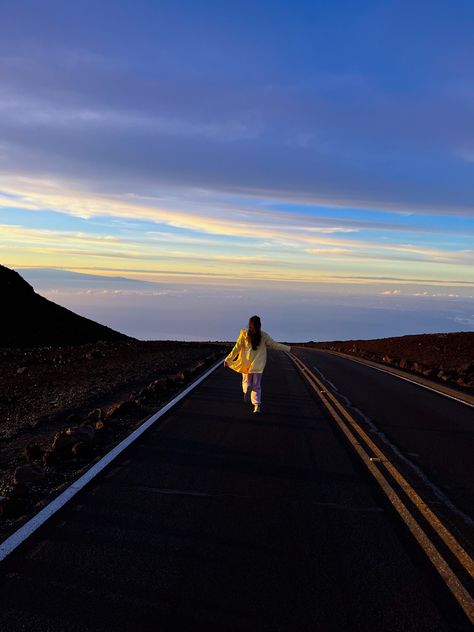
column 62, row 407
column 70, row 389
column 448, row 358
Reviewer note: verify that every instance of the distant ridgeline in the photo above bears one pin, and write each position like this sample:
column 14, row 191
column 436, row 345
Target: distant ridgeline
column 30, row 320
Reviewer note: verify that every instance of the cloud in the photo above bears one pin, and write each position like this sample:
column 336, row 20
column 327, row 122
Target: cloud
column 465, row 320
column 333, row 139
column 439, row 294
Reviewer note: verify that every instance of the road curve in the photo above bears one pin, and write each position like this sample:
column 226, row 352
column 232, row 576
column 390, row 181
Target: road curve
column 223, row 520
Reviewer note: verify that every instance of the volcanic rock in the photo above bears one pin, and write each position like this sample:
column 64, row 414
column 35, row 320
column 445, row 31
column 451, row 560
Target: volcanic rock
column 32, row 320
column 95, row 415
column 82, row 449
column 128, row 407
column 28, row 474
column 33, row 452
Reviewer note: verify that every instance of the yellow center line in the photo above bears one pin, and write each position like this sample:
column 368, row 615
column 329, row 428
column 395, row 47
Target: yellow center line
column 452, row 581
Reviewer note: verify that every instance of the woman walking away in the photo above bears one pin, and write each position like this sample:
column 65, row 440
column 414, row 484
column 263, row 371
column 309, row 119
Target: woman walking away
column 249, row 357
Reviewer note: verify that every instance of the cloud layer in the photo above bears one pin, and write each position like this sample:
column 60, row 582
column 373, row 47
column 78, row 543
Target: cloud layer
column 320, row 144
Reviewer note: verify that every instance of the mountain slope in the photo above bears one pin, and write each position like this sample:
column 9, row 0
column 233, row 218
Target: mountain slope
column 30, row 320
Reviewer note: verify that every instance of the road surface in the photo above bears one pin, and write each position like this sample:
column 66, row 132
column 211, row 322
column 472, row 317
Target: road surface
column 218, row 519
column 429, row 431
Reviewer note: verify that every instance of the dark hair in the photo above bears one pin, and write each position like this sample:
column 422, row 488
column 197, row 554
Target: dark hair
column 255, row 331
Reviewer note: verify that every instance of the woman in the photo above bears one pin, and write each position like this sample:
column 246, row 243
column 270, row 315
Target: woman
column 249, row 357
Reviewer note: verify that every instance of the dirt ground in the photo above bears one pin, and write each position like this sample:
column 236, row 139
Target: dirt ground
column 45, row 390
column 446, row 357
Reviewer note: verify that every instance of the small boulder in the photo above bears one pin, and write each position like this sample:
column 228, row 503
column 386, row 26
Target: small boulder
column 28, row 475
column 73, row 418
column 64, row 440
column 22, row 370
column 13, row 507
column 180, row 376
column 158, row 386
column 33, row 452
column 95, row 415
column 125, row 408
column 82, row 433
column 99, row 425
column 50, row 458
column 82, row 449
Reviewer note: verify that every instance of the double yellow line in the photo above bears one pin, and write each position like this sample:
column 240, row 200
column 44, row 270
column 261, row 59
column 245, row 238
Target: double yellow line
column 376, row 462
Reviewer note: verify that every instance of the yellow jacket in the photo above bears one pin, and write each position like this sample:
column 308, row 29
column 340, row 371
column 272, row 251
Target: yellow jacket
column 244, row 359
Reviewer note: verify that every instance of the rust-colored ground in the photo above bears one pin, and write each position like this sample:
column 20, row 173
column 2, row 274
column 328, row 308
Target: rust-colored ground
column 449, row 357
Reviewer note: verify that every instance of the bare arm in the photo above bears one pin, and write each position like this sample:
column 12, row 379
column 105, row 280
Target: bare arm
column 278, row 346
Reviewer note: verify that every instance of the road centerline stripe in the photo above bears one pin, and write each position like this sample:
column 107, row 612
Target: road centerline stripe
column 349, row 426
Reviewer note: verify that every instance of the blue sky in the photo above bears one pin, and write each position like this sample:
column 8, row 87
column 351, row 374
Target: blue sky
column 322, row 148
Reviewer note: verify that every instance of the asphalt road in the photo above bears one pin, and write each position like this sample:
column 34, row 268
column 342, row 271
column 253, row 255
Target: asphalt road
column 428, row 430
column 218, row 519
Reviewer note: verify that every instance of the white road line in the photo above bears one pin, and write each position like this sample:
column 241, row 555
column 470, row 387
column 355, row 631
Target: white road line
column 400, row 377
column 24, row 532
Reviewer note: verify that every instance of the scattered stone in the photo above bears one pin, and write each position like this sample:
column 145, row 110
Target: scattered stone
column 33, row 452
column 95, row 414
column 180, row 376
column 429, row 372
column 28, row 474
column 64, row 440
column 419, row 368
column 73, row 418
column 404, row 363
column 196, row 368
column 13, row 507
column 128, row 407
column 22, row 370
column 82, row 449
column 50, row 458
column 95, row 354
column 84, row 433
column 99, row 425
column 19, row 490
column 387, row 359
column 170, row 381
column 158, row 385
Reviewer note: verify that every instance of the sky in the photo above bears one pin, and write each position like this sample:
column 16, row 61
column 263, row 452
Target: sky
column 171, row 168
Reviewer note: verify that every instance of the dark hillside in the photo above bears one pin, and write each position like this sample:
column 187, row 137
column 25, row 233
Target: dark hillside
column 30, row 320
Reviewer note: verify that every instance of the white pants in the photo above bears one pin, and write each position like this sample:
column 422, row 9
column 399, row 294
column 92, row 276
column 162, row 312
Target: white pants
column 253, row 381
